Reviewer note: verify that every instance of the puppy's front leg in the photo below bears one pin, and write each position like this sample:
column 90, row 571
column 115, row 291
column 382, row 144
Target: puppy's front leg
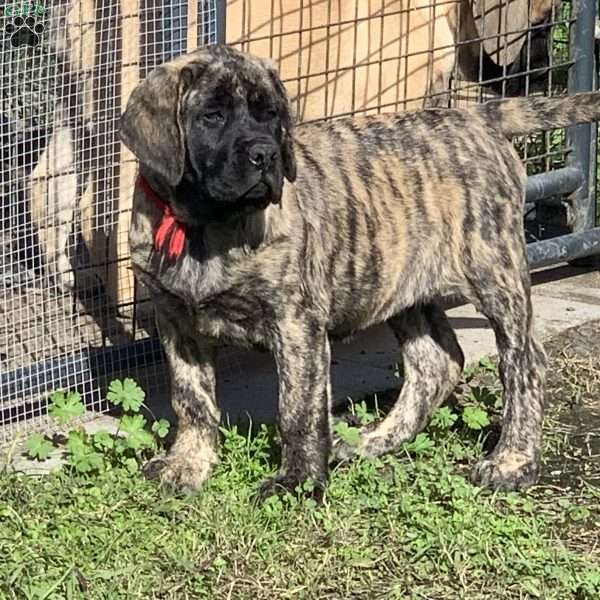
column 192, row 369
column 302, row 355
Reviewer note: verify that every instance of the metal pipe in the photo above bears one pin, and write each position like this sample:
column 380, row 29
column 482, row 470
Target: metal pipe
column 564, row 248
column 582, row 214
column 553, row 183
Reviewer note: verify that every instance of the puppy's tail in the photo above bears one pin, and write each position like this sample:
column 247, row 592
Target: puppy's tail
column 519, row 116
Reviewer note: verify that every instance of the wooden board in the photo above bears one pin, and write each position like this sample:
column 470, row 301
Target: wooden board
column 192, row 25
column 120, row 282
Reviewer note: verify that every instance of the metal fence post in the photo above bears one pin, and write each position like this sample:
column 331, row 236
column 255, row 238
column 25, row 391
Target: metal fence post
column 221, row 21
column 582, row 138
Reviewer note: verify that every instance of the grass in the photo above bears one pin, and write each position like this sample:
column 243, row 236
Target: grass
column 405, row 526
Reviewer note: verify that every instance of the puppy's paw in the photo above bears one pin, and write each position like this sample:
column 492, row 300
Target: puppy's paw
column 282, row 484
column 177, row 474
column 506, row 470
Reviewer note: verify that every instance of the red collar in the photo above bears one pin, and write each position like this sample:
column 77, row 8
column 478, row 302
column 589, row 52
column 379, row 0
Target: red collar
column 168, row 227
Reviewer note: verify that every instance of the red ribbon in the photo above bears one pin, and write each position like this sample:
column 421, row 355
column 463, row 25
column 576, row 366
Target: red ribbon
column 169, row 228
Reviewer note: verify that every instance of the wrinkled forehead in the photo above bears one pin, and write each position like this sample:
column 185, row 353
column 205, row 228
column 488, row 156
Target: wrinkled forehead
column 237, row 81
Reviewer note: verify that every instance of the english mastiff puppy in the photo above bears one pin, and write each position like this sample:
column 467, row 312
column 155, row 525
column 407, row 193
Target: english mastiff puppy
column 248, row 232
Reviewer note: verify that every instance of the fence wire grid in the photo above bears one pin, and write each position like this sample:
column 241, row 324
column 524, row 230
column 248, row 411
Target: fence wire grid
column 71, row 315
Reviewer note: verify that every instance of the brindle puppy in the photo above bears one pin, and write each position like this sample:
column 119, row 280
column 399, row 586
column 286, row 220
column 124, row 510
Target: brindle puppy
column 247, row 234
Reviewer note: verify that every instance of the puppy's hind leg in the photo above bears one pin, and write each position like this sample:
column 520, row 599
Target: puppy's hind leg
column 433, row 363
column 192, row 371
column 514, row 462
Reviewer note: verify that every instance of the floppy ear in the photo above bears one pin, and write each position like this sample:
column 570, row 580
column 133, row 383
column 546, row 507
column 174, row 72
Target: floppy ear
column 151, row 124
column 502, row 23
column 288, row 155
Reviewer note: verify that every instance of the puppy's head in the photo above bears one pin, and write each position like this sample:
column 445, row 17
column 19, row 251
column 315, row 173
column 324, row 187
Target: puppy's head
column 216, row 124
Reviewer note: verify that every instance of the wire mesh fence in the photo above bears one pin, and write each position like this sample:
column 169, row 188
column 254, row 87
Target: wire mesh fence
column 71, row 315
column 67, row 297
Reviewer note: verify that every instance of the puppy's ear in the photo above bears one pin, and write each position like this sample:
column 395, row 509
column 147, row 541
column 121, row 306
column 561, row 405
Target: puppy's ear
column 288, row 155
column 151, row 125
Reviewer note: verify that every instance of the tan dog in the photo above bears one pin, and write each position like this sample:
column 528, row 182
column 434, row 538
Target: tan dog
column 387, row 56
column 248, row 234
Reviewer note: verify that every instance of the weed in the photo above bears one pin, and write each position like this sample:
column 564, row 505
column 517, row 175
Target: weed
column 93, row 453
column 485, row 365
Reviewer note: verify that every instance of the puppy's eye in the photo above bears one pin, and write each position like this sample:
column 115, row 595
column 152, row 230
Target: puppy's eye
column 265, row 114
column 269, row 114
column 214, row 116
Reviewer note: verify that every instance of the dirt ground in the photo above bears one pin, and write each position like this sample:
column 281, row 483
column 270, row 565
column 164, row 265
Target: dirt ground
column 573, row 400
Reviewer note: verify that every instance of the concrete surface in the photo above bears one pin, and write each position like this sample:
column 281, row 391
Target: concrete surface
column 563, row 297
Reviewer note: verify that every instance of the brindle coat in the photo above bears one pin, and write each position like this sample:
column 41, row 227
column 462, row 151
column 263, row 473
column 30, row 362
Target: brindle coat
column 379, row 216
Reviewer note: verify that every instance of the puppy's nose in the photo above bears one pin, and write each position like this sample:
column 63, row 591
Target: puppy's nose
column 262, row 155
